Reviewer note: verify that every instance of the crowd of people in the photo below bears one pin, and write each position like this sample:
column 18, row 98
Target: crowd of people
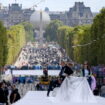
column 48, row 56
column 84, row 71
column 8, row 93
column 36, row 57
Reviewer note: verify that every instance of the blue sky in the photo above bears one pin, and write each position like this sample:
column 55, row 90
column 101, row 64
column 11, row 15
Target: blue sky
column 58, row 5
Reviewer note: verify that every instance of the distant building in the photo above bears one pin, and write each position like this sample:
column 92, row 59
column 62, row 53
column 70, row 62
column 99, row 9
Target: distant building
column 14, row 14
column 77, row 15
column 27, row 14
column 47, row 9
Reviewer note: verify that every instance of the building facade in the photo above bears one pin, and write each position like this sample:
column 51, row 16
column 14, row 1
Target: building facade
column 77, row 15
column 14, row 14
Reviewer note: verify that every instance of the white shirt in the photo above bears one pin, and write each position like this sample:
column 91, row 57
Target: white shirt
column 86, row 72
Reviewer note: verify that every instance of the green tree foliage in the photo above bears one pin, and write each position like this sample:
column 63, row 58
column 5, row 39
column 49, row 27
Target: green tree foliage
column 51, row 30
column 3, row 44
column 12, row 40
column 16, row 40
column 81, row 37
column 29, row 30
column 98, row 32
column 69, row 37
column 65, row 36
column 82, row 43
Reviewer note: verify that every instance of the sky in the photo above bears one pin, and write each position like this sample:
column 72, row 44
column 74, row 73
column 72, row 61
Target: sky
column 57, row 5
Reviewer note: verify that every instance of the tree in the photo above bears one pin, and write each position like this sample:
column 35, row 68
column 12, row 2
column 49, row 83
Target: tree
column 98, row 33
column 3, row 44
column 16, row 40
column 29, row 30
column 51, row 30
column 64, row 36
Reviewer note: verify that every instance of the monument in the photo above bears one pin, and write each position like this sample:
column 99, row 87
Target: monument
column 40, row 20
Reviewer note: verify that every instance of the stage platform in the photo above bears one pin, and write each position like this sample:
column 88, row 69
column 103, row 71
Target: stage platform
column 40, row 98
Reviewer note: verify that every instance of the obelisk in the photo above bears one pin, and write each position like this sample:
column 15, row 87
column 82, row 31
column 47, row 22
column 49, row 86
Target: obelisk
column 41, row 28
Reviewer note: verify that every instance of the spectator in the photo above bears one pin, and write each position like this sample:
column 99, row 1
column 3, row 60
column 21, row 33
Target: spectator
column 96, row 92
column 6, row 92
column 103, row 91
column 61, row 74
column 15, row 96
column 45, row 72
column 53, row 84
column 2, row 94
column 86, row 72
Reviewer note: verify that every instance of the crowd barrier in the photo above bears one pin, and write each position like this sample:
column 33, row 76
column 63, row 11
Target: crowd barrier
column 31, row 72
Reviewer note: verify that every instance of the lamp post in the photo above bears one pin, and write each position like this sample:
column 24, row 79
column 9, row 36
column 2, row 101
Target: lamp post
column 41, row 28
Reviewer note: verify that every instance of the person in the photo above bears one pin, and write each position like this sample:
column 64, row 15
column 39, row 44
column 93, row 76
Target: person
column 14, row 96
column 66, row 70
column 53, row 84
column 102, row 92
column 96, row 91
column 93, row 82
column 2, row 94
column 86, row 72
column 45, row 72
column 61, row 74
column 74, row 90
column 38, row 87
column 6, row 92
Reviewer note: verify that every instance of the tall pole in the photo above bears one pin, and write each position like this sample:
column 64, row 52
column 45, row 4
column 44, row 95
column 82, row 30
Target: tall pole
column 41, row 28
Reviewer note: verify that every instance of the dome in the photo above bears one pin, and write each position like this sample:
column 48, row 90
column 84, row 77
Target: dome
column 35, row 19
